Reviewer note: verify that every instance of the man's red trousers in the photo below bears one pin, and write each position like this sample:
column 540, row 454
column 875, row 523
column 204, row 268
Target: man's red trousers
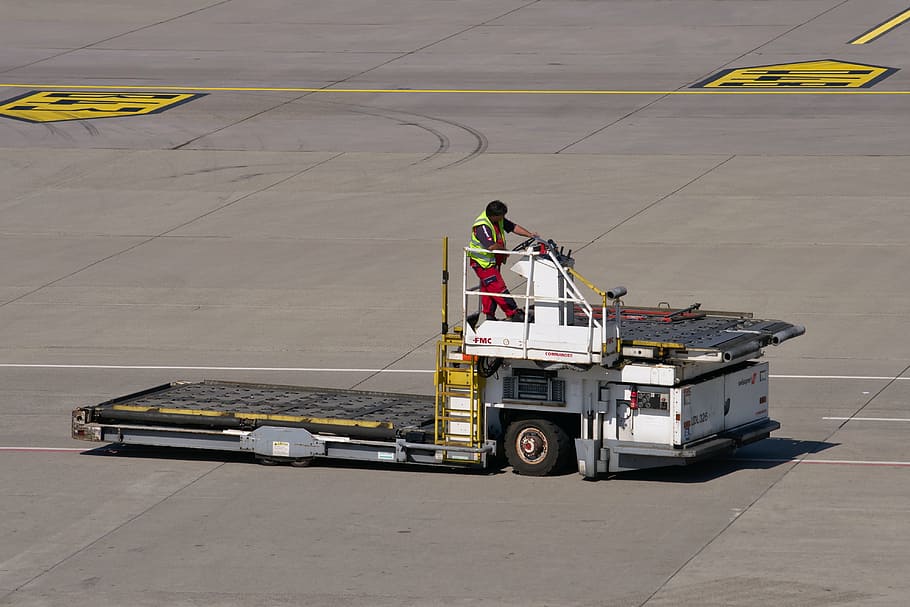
column 491, row 281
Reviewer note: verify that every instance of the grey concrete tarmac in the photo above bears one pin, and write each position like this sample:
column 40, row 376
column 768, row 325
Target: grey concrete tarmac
column 266, row 232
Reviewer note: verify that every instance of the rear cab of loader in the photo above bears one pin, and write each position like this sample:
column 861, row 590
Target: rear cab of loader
column 635, row 387
column 650, row 425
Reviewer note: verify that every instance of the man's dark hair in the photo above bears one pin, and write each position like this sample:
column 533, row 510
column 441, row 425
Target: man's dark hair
column 497, row 208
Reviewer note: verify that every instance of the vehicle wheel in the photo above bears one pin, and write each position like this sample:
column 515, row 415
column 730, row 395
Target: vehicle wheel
column 302, row 462
column 268, row 461
column 537, row 447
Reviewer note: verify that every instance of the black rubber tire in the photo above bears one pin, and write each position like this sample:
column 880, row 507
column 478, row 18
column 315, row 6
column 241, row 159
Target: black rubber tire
column 263, row 460
column 537, row 447
column 300, row 462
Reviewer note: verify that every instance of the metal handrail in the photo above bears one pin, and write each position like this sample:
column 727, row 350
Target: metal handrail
column 573, row 296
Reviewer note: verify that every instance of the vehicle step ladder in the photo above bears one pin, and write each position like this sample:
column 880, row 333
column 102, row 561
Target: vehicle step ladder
column 459, row 410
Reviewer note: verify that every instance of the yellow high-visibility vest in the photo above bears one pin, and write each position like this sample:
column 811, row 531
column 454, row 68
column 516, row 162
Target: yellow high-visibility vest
column 486, row 259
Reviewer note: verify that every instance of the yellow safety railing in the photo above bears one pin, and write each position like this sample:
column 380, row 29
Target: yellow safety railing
column 459, row 387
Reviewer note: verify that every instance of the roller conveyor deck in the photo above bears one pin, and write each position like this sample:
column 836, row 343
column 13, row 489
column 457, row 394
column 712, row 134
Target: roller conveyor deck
column 243, row 406
column 703, row 333
column 726, row 335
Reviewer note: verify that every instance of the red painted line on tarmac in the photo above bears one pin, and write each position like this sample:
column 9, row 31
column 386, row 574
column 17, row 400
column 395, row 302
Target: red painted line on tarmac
column 46, row 449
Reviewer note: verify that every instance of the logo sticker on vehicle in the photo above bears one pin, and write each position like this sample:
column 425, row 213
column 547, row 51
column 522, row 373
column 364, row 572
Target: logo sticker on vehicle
column 56, row 106
column 825, row 73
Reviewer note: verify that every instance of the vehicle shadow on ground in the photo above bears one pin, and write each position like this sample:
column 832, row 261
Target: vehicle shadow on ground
column 764, row 455
column 169, row 453
column 215, row 456
column 776, row 451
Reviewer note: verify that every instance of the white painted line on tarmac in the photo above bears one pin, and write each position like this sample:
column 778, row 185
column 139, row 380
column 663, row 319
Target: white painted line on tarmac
column 871, row 377
column 355, row 370
column 839, row 462
column 853, row 462
column 869, row 419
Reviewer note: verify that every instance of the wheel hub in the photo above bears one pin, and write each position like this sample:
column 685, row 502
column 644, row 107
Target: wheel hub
column 532, row 445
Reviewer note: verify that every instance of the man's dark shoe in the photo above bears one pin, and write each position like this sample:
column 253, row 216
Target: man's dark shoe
column 519, row 316
column 491, row 317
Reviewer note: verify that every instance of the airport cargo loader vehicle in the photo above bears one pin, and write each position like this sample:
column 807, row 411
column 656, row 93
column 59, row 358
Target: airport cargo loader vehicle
column 598, row 384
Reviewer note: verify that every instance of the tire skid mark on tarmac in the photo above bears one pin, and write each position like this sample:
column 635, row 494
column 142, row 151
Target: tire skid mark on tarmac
column 480, row 141
column 444, row 143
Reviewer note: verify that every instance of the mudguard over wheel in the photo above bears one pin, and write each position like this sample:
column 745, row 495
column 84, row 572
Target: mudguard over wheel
column 537, row 447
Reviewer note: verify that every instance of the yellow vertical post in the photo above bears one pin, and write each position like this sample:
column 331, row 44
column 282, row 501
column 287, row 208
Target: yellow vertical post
column 445, row 285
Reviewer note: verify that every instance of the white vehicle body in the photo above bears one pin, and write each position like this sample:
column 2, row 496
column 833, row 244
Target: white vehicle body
column 605, row 386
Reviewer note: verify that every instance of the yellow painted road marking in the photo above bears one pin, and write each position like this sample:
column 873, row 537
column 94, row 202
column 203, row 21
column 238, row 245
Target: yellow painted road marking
column 882, row 29
column 356, row 423
column 56, row 106
column 824, row 73
column 263, row 89
column 328, row 421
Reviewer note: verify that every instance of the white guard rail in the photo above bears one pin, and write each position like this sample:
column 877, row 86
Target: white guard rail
column 560, row 292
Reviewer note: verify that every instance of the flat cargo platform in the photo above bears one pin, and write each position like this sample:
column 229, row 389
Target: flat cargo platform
column 697, row 330
column 706, row 333
column 245, row 406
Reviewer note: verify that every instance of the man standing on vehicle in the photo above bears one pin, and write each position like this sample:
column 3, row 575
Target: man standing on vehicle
column 488, row 232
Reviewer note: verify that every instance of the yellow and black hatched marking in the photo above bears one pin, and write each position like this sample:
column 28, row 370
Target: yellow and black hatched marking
column 824, row 73
column 57, row 106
